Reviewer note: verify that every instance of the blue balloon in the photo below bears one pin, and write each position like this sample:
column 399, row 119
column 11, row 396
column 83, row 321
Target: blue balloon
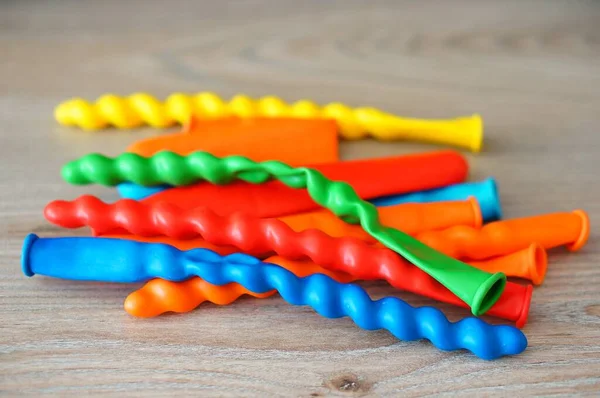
column 130, row 190
column 126, row 261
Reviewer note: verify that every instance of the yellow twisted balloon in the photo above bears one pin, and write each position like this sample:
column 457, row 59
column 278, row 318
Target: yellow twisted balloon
column 355, row 123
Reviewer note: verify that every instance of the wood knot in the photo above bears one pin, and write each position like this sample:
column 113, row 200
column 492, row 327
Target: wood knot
column 349, row 383
column 593, row 310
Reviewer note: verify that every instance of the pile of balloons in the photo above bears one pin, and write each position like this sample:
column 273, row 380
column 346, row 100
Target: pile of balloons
column 252, row 198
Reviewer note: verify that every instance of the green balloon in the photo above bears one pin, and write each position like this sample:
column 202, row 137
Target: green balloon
column 479, row 289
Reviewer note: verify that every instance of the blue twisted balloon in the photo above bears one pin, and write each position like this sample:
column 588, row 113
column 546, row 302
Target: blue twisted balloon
column 125, row 261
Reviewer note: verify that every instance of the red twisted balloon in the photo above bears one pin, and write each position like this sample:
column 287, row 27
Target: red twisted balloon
column 265, row 236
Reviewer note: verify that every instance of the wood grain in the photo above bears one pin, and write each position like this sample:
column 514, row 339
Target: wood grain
column 529, row 67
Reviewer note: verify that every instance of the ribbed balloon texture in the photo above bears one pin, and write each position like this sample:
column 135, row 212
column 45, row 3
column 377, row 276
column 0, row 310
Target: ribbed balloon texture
column 116, row 260
column 477, row 288
column 265, row 236
column 354, row 123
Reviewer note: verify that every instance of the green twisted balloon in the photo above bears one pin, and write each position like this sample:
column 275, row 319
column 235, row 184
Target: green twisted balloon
column 477, row 288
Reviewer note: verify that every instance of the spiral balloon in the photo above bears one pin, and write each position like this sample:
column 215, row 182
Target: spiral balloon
column 477, row 288
column 355, row 123
column 265, row 236
column 124, row 261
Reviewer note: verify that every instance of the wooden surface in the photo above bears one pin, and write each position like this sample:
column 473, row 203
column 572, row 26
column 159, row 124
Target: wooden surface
column 531, row 68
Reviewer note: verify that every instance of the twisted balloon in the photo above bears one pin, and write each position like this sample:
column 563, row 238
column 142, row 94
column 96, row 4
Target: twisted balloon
column 477, row 288
column 354, row 123
column 117, row 260
column 159, row 296
column 264, row 236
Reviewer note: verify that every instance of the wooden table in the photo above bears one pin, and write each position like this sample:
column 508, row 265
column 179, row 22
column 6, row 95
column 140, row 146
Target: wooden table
column 531, row 68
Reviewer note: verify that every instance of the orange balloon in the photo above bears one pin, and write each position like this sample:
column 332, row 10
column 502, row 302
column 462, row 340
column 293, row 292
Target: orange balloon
column 294, row 141
column 159, row 296
column 410, row 218
column 504, row 237
column 530, row 263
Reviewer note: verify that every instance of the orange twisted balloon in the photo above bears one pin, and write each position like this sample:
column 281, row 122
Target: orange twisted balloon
column 159, row 296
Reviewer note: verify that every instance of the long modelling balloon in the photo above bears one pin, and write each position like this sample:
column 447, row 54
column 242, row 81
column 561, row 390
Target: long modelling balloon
column 141, row 108
column 395, row 174
column 486, row 193
column 115, row 260
column 504, row 237
column 294, row 141
column 266, row 236
column 159, row 295
column 410, row 218
column 477, row 288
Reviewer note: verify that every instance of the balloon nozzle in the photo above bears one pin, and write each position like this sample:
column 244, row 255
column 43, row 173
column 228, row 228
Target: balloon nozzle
column 585, row 231
column 488, row 293
column 25, row 258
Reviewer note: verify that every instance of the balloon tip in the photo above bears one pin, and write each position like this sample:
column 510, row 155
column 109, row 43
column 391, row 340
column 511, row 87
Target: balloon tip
column 493, row 196
column 538, row 260
column 585, row 231
column 62, row 112
column 139, row 306
column 477, row 215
